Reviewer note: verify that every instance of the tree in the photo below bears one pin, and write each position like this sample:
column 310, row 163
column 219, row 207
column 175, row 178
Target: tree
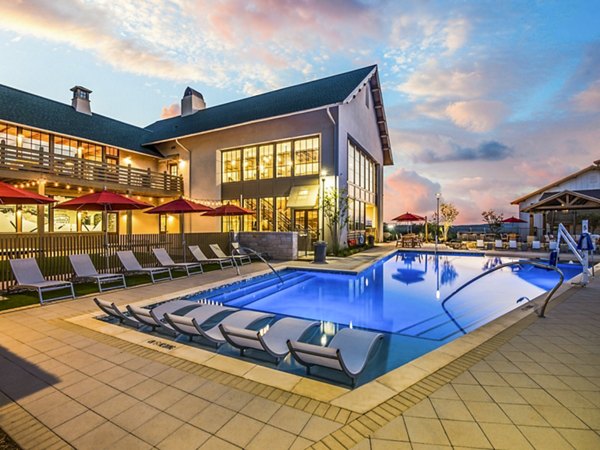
column 335, row 210
column 493, row 219
column 448, row 214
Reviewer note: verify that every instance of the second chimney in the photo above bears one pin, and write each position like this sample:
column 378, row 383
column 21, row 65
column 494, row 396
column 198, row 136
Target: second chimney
column 192, row 102
column 81, row 100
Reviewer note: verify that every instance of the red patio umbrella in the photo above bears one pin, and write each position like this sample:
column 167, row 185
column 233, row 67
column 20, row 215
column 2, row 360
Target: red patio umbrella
column 180, row 206
column 409, row 217
column 103, row 201
column 10, row 195
column 228, row 210
column 514, row 219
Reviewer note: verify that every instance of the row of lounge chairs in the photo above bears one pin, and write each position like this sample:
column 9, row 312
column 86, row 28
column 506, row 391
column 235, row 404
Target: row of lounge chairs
column 29, row 276
column 348, row 352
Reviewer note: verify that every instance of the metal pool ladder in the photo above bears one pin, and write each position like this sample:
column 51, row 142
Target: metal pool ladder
column 244, row 250
column 540, row 312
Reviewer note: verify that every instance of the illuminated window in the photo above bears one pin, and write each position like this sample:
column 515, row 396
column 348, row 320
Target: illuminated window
column 284, row 159
column 65, row 146
column 265, row 163
column 232, row 168
column 8, row 134
column 306, row 157
column 250, row 220
column 231, row 223
column 284, row 215
column 91, row 152
column 65, row 220
column 162, row 223
column 267, row 215
column 8, row 219
column 112, row 155
column 250, row 163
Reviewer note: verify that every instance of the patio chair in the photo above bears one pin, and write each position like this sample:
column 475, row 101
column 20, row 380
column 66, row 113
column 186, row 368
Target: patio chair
column 239, row 319
column 481, row 244
column 29, row 276
column 274, row 341
column 132, row 265
column 184, row 324
column 512, row 244
column 165, row 260
column 498, row 244
column 113, row 311
column 536, row 245
column 154, row 317
column 203, row 259
column 242, row 259
column 348, row 352
column 84, row 270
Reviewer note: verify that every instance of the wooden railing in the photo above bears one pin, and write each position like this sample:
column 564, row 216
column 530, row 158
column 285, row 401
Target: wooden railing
column 62, row 167
column 52, row 250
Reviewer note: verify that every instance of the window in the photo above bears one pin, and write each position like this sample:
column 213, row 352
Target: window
column 284, row 215
column 91, row 152
column 174, row 169
column 250, row 220
column 284, row 159
column 267, row 215
column 306, row 157
column 65, row 146
column 162, row 223
column 8, row 134
column 112, row 155
column 231, row 223
column 232, row 170
column 8, row 219
column 250, row 163
column 65, row 220
column 35, row 140
column 362, row 172
column 265, row 164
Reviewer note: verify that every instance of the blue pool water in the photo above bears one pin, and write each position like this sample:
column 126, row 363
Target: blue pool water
column 402, row 296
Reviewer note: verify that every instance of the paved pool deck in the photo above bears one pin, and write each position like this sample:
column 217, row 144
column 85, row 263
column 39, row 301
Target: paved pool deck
column 534, row 383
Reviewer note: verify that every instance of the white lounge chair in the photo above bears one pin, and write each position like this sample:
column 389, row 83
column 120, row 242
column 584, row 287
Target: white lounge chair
column 113, row 311
column 154, row 317
column 536, row 245
column 84, row 270
column 29, row 276
column 480, row 244
column 498, row 244
column 512, row 244
column 274, row 341
column 242, row 259
column 348, row 352
column 203, row 259
column 185, row 324
column 132, row 265
column 165, row 260
column 239, row 319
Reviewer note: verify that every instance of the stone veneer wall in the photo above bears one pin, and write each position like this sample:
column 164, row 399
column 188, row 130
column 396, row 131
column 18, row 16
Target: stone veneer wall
column 279, row 245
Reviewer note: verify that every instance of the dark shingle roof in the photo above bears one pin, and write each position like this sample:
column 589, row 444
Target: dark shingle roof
column 301, row 97
column 45, row 114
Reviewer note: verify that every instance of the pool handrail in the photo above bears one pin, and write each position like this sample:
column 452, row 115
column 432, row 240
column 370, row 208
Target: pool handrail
column 541, row 312
column 241, row 249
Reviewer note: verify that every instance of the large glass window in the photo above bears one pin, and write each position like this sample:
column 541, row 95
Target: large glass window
column 232, row 168
column 91, row 152
column 361, row 188
column 29, row 218
column 8, row 219
column 306, row 156
column 284, row 215
column 266, row 161
column 231, row 223
column 65, row 220
column 8, row 134
column 284, row 159
column 35, row 140
column 267, row 215
column 65, row 146
column 250, row 220
column 250, row 163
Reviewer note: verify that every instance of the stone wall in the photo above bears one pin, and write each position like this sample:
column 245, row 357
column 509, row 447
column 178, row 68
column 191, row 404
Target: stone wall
column 282, row 246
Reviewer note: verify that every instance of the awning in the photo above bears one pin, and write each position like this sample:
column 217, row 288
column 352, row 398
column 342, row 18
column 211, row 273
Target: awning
column 303, row 196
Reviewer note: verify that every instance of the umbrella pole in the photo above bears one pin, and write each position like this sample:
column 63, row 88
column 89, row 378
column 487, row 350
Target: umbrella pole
column 182, row 226
column 105, row 227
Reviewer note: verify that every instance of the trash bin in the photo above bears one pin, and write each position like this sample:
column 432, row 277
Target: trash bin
column 371, row 240
column 320, row 248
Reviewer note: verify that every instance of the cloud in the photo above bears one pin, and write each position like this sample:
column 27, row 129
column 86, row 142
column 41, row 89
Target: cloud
column 456, row 31
column 406, row 190
column 172, row 110
column 486, row 151
column 589, row 99
column 478, row 116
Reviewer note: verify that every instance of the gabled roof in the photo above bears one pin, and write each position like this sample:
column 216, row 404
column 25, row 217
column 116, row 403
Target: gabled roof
column 566, row 200
column 308, row 96
column 48, row 115
column 594, row 166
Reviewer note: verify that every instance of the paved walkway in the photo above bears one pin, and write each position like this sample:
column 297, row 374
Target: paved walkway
column 534, row 385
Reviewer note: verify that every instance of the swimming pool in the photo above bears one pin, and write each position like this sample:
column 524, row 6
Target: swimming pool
column 402, row 296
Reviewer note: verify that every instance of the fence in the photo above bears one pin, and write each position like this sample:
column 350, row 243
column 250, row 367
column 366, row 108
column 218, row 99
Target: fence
column 52, row 250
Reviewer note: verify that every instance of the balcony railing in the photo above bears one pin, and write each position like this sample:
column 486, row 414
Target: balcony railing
column 94, row 173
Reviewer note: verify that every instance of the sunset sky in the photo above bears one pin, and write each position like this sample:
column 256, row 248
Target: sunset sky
column 485, row 101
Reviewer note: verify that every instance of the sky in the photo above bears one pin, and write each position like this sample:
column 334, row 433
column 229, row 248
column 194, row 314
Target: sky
column 485, row 100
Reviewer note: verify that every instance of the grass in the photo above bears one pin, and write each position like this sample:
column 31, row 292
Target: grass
column 25, row 298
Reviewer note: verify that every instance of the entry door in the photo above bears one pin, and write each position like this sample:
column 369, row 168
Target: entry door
column 307, row 221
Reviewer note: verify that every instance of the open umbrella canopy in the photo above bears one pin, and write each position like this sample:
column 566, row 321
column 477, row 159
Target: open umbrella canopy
column 228, row 210
column 10, row 195
column 103, row 201
column 179, row 206
column 514, row 219
column 408, row 217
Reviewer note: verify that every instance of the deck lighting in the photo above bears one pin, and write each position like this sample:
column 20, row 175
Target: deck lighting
column 127, row 161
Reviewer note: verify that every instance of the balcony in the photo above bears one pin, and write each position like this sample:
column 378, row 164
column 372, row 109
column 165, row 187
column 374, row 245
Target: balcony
column 18, row 163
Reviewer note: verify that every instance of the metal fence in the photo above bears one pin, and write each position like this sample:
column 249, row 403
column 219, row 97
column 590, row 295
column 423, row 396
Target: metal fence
column 52, row 250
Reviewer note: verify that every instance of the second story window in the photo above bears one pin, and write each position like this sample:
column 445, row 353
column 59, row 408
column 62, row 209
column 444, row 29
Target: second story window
column 265, row 161
column 284, row 159
column 91, row 152
column 112, row 155
column 35, row 140
column 174, row 169
column 250, row 163
column 232, row 167
column 65, row 146
column 306, row 156
column 8, row 134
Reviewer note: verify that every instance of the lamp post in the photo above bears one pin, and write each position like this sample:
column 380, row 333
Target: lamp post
column 437, row 219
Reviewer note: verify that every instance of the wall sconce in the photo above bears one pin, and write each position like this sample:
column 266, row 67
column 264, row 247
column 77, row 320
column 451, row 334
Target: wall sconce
column 127, row 160
column 182, row 163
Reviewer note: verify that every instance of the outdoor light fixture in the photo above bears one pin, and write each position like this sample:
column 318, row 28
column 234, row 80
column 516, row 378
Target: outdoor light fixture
column 127, row 161
column 182, row 164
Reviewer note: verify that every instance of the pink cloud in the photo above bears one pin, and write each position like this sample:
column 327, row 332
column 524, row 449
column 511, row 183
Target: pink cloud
column 172, row 110
column 588, row 100
column 408, row 191
column 478, row 116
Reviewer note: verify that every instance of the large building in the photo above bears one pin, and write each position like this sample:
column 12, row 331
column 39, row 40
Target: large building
column 274, row 153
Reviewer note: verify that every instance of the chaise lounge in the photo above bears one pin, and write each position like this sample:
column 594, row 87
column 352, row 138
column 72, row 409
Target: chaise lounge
column 113, row 311
column 154, row 317
column 348, row 352
column 203, row 259
column 29, row 276
column 131, row 265
column 165, row 260
column 242, row 259
column 85, row 270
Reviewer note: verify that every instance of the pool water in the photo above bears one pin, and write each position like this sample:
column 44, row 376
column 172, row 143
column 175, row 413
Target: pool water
column 402, row 296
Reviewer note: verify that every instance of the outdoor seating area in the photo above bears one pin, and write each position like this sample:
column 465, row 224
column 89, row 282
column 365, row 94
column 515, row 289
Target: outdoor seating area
column 409, row 240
